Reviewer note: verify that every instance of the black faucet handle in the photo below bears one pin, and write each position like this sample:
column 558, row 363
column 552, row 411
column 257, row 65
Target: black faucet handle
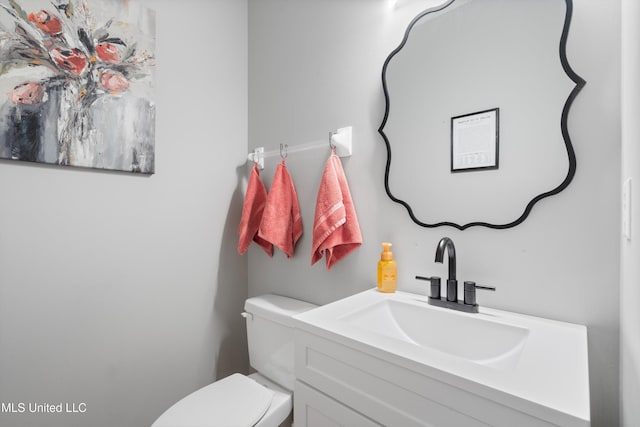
column 435, row 285
column 470, row 292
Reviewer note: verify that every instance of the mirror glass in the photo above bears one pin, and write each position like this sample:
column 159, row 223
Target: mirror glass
column 470, row 56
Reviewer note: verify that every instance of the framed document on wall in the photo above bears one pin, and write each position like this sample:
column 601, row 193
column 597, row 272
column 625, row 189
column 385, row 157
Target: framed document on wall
column 474, row 141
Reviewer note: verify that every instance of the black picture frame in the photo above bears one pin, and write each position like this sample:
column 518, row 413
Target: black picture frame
column 483, row 140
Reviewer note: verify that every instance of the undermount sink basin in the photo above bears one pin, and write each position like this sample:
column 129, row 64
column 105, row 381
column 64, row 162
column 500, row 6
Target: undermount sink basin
column 476, row 338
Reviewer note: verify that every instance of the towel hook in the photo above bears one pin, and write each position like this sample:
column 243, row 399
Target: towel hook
column 332, row 146
column 283, row 149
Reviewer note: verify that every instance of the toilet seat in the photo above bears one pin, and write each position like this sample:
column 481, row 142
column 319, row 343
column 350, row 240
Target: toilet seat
column 235, row 401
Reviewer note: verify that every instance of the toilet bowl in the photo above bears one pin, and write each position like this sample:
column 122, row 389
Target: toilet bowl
column 262, row 399
column 236, row 400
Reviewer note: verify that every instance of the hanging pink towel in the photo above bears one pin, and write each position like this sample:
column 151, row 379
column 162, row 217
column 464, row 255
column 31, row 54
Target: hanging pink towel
column 281, row 221
column 336, row 232
column 252, row 210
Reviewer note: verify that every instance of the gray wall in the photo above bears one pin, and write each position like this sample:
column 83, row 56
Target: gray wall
column 315, row 66
column 630, row 276
column 123, row 291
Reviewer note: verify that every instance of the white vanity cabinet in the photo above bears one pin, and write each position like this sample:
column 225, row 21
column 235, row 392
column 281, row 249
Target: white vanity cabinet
column 315, row 409
column 346, row 377
column 340, row 386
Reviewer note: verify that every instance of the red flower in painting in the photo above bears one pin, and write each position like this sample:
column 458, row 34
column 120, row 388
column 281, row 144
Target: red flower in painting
column 47, row 23
column 27, row 94
column 114, row 81
column 108, row 52
column 71, row 60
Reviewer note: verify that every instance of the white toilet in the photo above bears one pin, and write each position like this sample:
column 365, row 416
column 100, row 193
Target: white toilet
column 262, row 399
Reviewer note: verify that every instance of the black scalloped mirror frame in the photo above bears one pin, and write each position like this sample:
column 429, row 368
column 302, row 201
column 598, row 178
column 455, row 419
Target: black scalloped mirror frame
column 579, row 84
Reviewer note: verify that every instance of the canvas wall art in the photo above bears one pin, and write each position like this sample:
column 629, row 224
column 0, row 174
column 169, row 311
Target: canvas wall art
column 76, row 83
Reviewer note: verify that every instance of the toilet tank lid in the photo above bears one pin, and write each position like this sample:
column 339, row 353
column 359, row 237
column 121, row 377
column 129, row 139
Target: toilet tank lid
column 276, row 307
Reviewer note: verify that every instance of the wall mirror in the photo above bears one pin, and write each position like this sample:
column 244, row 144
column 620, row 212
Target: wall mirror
column 470, row 56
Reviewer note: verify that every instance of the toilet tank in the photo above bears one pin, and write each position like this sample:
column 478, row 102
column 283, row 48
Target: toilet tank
column 270, row 335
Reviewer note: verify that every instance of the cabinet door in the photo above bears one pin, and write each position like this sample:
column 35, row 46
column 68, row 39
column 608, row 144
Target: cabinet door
column 314, row 409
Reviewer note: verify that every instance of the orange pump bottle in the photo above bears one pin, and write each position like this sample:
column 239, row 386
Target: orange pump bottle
column 387, row 270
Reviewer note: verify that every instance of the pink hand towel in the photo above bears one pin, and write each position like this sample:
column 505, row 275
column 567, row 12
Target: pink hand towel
column 281, row 221
column 252, row 210
column 336, row 231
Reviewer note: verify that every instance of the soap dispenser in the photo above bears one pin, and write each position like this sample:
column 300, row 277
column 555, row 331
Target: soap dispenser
column 387, row 270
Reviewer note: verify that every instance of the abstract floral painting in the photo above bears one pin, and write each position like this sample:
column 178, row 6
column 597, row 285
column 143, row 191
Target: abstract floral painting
column 76, row 83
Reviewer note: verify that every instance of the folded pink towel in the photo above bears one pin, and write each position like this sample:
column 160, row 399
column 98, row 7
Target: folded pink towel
column 254, row 203
column 336, row 232
column 281, row 222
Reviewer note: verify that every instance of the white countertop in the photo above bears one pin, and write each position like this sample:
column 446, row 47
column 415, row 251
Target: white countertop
column 548, row 374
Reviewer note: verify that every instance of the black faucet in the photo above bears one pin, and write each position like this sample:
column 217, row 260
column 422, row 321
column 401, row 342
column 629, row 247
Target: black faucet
column 469, row 303
column 452, row 284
